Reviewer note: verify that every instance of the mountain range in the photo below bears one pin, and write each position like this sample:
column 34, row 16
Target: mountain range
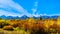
column 24, row 17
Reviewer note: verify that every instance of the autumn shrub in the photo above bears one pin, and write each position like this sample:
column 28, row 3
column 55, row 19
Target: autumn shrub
column 2, row 24
column 40, row 31
column 14, row 25
column 9, row 28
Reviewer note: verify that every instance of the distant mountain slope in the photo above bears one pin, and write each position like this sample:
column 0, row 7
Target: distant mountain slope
column 24, row 17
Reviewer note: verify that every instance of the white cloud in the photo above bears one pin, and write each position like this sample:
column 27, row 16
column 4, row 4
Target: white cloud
column 7, row 13
column 36, row 3
column 34, row 9
column 9, row 6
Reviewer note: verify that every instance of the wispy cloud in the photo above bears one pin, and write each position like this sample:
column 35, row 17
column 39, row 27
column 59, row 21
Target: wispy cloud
column 34, row 9
column 7, row 13
column 11, row 8
column 36, row 3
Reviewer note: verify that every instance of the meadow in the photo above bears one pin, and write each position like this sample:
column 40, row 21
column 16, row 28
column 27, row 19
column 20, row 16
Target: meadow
column 30, row 26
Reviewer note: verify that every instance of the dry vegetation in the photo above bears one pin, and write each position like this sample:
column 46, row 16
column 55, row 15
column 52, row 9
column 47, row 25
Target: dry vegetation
column 32, row 26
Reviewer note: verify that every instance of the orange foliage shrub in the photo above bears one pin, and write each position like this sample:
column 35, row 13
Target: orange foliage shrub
column 8, row 28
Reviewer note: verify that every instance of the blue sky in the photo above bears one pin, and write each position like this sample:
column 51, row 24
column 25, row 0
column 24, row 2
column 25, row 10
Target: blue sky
column 29, row 7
